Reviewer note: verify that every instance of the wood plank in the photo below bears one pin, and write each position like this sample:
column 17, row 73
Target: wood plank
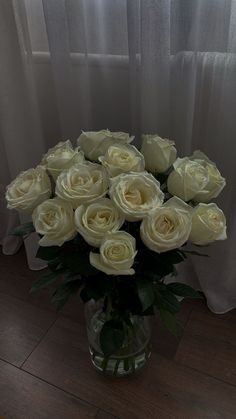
column 16, row 280
column 209, row 344
column 26, row 397
column 21, row 327
column 163, row 390
column 104, row 415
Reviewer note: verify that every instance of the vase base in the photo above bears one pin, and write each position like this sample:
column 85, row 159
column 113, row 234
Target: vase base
column 120, row 366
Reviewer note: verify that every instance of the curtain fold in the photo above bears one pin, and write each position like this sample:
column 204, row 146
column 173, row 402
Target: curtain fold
column 153, row 66
column 20, row 130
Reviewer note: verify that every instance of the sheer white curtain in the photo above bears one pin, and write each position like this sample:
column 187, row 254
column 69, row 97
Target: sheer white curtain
column 165, row 66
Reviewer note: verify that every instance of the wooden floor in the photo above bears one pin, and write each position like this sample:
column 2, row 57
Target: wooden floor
column 45, row 371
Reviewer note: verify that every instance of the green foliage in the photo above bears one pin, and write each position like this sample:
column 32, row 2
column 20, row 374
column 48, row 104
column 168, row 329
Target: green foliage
column 72, row 261
column 99, row 286
column 174, row 272
column 23, row 230
column 55, row 264
column 161, row 177
column 45, row 281
column 48, row 253
column 84, row 295
column 71, row 276
column 183, row 290
column 165, row 299
column 140, row 294
column 63, row 293
column 174, row 256
column 149, row 311
column 146, row 293
column 125, row 296
column 157, row 265
column 78, row 262
column 193, row 252
column 169, row 321
column 112, row 337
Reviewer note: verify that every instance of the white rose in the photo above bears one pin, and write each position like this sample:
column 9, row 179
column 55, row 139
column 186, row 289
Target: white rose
column 94, row 220
column 216, row 182
column 135, row 194
column 28, row 190
column 82, row 183
column 95, row 144
column 117, row 253
column 167, row 227
column 61, row 157
column 54, row 219
column 121, row 158
column 187, row 179
column 159, row 153
column 208, row 224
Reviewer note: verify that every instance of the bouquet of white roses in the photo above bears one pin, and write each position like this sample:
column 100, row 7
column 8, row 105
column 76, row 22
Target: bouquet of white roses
column 113, row 222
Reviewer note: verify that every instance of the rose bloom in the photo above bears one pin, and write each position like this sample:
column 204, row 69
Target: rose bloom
column 28, row 190
column 61, row 157
column 167, row 227
column 208, row 224
column 135, row 194
column 121, row 158
column 82, row 183
column 187, row 179
column 117, row 253
column 215, row 183
column 95, row 143
column 94, row 220
column 54, row 219
column 159, row 153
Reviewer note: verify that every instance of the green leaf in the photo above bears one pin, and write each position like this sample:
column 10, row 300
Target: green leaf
column 23, row 229
column 193, row 252
column 80, row 243
column 174, row 272
column 78, row 262
column 111, row 337
column 173, row 256
column 97, row 287
column 45, row 281
column 127, row 298
column 183, row 290
column 71, row 276
column 166, row 300
column 47, row 253
column 152, row 277
column 182, row 253
column 55, row 264
column 84, row 295
column 169, row 321
column 149, row 312
column 160, row 265
column 64, row 292
column 146, row 294
column 161, row 177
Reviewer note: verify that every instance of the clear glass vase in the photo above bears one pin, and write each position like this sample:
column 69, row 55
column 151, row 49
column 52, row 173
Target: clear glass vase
column 135, row 351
